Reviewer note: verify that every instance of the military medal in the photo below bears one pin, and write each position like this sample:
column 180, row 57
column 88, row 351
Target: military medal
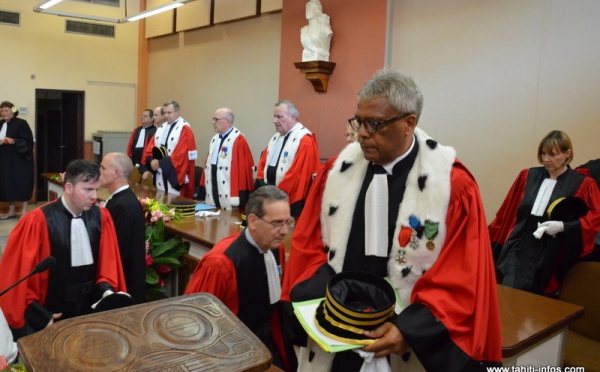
column 223, row 152
column 431, row 231
column 285, row 154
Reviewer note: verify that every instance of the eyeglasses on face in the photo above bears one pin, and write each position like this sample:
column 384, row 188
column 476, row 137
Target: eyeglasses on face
column 371, row 125
column 217, row 119
column 278, row 224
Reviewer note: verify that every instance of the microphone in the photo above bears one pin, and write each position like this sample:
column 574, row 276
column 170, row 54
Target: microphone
column 46, row 263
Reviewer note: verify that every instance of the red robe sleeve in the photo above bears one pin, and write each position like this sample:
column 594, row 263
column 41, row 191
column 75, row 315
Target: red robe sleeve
column 297, row 180
column 110, row 269
column 30, row 233
column 242, row 179
column 131, row 144
column 460, row 288
column 260, row 173
column 506, row 217
column 148, row 151
column 215, row 274
column 590, row 223
column 180, row 160
column 307, row 253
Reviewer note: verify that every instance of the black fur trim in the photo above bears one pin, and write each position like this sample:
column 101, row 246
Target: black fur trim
column 311, row 356
column 332, row 210
column 406, row 271
column 422, row 180
column 431, row 143
column 345, row 165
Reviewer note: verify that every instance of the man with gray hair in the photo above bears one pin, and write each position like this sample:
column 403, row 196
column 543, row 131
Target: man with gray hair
column 398, row 204
column 241, row 270
column 227, row 180
column 172, row 154
column 128, row 218
column 291, row 158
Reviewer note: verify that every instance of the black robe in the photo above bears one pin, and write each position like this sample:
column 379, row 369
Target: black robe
column 16, row 162
column 128, row 217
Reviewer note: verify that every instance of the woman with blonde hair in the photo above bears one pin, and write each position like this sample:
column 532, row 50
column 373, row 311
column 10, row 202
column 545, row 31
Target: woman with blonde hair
column 548, row 220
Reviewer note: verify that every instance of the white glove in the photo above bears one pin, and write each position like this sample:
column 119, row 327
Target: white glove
column 549, row 227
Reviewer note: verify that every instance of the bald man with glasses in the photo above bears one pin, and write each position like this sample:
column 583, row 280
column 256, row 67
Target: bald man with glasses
column 227, row 180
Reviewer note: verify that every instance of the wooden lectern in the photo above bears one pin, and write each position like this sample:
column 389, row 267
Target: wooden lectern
column 186, row 333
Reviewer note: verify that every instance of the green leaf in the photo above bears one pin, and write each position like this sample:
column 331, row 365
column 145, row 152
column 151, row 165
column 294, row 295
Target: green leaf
column 166, row 261
column 166, row 246
column 151, row 276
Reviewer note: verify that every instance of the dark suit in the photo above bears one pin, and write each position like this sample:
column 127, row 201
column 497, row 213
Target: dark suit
column 128, row 217
column 135, row 153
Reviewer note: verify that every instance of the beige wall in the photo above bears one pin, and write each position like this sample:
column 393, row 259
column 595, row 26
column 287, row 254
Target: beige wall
column 104, row 68
column 499, row 75
column 233, row 65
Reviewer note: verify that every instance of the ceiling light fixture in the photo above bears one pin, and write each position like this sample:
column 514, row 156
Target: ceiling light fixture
column 158, row 9
column 43, row 8
column 49, row 3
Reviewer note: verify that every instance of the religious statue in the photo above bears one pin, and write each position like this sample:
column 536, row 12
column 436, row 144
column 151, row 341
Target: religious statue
column 316, row 36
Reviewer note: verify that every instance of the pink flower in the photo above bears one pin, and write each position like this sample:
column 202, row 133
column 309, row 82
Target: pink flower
column 161, row 282
column 163, row 269
column 156, row 215
column 149, row 260
column 147, row 247
column 3, row 363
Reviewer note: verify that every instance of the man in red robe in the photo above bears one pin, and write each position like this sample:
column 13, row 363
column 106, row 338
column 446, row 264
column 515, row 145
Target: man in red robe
column 176, row 168
column 291, row 158
column 241, row 270
column 398, row 204
column 227, row 179
column 81, row 237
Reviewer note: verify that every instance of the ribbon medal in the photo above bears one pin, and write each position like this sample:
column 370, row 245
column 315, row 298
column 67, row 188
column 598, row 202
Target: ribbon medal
column 223, row 152
column 285, row 155
column 431, row 231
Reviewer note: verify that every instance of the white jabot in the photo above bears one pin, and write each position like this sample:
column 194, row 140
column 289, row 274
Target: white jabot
column 140, row 141
column 542, row 198
column 81, row 250
column 376, row 214
column 3, row 131
column 272, row 277
column 272, row 270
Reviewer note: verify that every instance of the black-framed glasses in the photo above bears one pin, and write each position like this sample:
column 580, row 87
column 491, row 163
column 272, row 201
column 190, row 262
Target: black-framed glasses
column 217, row 119
column 278, row 224
column 371, row 125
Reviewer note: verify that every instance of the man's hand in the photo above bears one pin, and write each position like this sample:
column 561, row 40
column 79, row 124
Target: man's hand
column 154, row 165
column 390, row 341
column 54, row 316
column 146, row 175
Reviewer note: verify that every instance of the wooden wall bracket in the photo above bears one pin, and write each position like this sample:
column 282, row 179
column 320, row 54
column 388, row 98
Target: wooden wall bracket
column 317, row 72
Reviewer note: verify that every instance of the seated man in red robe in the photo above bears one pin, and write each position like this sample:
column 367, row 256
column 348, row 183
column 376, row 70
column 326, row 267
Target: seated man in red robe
column 81, row 237
column 241, row 270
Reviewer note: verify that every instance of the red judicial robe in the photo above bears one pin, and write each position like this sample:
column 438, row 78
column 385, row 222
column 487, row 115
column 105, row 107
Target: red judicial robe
column 579, row 234
column 28, row 244
column 216, row 273
column 298, row 178
column 235, row 179
column 182, row 157
column 451, row 319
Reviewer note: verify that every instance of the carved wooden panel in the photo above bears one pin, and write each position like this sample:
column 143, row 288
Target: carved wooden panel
column 187, row 333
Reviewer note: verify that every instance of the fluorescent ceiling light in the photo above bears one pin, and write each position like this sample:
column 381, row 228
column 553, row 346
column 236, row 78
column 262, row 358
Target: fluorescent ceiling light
column 158, row 9
column 49, row 3
column 43, row 8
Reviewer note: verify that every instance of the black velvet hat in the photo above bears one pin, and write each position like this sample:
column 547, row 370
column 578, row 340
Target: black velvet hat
column 114, row 301
column 567, row 209
column 159, row 152
column 354, row 302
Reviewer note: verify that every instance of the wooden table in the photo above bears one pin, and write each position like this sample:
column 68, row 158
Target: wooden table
column 187, row 333
column 534, row 327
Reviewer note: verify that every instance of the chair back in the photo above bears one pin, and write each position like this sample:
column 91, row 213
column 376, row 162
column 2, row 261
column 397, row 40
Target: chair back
column 580, row 287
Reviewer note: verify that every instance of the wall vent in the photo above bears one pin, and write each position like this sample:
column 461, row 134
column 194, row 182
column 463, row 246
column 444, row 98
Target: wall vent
column 87, row 28
column 10, row 18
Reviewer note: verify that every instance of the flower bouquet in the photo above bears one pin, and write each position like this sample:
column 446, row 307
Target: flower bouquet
column 162, row 256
